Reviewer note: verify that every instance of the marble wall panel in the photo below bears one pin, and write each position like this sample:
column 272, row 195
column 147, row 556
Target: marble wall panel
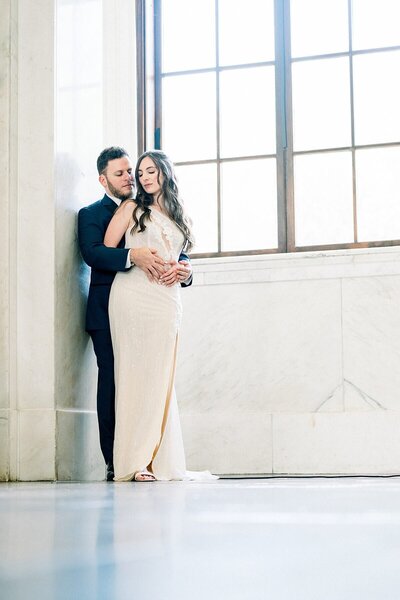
column 78, row 448
column 35, row 205
column 4, row 445
column 335, row 264
column 36, row 433
column 79, row 139
column 5, row 90
column 120, row 88
column 228, row 442
column 260, row 347
column 350, row 443
column 95, row 99
column 371, row 342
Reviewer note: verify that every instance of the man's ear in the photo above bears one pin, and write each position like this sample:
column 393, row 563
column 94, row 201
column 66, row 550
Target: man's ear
column 103, row 180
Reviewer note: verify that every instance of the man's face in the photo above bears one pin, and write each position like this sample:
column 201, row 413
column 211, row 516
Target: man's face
column 118, row 178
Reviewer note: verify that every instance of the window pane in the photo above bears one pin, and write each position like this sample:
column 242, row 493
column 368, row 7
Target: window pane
column 198, row 188
column 188, row 34
column 321, row 104
column 246, row 31
column 376, row 97
column 189, row 119
column 376, row 23
column 249, row 205
column 323, row 199
column 378, row 194
column 247, row 117
column 318, row 27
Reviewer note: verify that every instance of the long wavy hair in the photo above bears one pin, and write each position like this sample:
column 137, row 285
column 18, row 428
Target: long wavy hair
column 169, row 191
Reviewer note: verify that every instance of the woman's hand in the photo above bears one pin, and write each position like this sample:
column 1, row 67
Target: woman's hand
column 149, row 261
column 177, row 273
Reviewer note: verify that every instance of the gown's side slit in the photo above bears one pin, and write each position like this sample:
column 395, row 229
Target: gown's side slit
column 168, row 400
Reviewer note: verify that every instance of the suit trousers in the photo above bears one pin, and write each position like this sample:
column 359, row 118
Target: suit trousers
column 103, row 349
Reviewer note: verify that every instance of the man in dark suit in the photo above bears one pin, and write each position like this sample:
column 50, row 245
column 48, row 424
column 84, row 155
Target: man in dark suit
column 117, row 177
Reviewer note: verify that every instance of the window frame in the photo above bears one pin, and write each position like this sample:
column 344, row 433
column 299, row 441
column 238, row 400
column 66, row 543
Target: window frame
column 149, row 120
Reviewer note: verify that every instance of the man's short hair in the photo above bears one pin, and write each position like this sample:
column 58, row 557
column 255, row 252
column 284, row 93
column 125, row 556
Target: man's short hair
column 108, row 154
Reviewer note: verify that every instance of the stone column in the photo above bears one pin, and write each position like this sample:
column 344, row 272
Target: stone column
column 27, row 253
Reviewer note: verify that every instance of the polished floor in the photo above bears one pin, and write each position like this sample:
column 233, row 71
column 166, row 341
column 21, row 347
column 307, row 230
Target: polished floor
column 253, row 539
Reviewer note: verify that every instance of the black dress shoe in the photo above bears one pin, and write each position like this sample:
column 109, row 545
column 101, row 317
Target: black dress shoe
column 109, row 471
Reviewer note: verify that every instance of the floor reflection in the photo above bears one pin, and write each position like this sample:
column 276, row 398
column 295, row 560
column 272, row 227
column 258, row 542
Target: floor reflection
column 248, row 539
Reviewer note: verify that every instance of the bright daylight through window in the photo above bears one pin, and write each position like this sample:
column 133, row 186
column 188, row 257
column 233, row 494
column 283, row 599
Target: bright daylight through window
column 282, row 118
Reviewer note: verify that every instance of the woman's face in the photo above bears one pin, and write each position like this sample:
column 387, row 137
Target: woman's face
column 150, row 177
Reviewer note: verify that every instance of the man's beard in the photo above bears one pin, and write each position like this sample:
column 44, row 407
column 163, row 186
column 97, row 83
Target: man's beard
column 121, row 195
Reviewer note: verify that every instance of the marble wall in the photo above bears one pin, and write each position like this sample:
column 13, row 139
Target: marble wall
column 290, row 364
column 287, row 364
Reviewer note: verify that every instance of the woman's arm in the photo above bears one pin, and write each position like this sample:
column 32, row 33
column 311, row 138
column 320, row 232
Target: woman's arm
column 91, row 231
column 145, row 258
column 119, row 224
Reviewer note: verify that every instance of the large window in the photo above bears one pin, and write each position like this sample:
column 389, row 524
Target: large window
column 282, row 118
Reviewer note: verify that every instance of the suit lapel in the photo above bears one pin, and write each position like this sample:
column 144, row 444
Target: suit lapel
column 109, row 204
column 111, row 207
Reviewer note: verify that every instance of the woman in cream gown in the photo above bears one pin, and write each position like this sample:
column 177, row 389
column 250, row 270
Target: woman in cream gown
column 145, row 317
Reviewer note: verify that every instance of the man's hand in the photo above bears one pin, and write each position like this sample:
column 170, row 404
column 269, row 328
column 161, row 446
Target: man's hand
column 177, row 273
column 149, row 261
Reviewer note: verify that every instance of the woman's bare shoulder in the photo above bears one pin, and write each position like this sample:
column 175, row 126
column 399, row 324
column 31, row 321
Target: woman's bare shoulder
column 127, row 207
column 128, row 203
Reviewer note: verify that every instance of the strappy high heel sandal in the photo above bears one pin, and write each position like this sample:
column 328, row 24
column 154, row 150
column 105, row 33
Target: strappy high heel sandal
column 142, row 476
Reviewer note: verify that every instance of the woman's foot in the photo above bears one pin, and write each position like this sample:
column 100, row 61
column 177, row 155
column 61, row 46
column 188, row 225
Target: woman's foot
column 144, row 476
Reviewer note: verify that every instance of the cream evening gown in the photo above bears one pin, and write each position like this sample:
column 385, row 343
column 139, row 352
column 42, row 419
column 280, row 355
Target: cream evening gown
column 145, row 318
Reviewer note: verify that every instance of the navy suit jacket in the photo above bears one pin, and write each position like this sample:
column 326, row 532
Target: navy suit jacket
column 93, row 221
